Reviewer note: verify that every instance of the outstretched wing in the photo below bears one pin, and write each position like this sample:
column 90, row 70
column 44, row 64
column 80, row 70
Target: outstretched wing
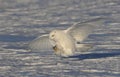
column 41, row 43
column 81, row 30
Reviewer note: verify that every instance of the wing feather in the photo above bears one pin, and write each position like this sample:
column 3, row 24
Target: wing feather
column 81, row 30
column 41, row 43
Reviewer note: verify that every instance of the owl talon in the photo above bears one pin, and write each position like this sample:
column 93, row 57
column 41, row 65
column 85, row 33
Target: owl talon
column 55, row 48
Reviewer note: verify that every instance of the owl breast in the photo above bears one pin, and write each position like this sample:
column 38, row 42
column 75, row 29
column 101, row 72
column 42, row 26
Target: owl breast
column 65, row 44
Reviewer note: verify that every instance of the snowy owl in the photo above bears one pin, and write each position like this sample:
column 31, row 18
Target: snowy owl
column 64, row 42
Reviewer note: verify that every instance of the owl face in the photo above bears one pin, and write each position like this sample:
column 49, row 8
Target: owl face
column 55, row 35
column 52, row 35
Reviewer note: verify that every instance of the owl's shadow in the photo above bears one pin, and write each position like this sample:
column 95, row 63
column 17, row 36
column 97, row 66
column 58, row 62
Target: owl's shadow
column 96, row 55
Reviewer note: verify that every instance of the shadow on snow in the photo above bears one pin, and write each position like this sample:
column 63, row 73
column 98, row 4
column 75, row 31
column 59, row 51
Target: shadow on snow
column 96, row 55
column 14, row 38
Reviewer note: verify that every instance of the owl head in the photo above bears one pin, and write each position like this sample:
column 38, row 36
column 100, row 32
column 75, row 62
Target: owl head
column 52, row 34
column 55, row 34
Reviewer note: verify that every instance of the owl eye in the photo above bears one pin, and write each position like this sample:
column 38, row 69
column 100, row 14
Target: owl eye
column 53, row 35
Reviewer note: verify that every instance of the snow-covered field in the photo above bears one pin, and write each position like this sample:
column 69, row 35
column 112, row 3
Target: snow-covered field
column 23, row 20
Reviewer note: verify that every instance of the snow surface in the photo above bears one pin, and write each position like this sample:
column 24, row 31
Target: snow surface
column 23, row 20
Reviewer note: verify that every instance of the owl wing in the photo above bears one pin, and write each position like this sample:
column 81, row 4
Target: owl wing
column 81, row 30
column 41, row 43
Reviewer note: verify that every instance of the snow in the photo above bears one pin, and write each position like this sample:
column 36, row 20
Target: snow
column 22, row 21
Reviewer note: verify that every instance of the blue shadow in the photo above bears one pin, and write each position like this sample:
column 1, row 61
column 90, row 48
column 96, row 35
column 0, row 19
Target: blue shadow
column 96, row 55
column 15, row 38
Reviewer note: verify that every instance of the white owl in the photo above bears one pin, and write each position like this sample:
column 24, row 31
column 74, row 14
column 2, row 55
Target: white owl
column 64, row 42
